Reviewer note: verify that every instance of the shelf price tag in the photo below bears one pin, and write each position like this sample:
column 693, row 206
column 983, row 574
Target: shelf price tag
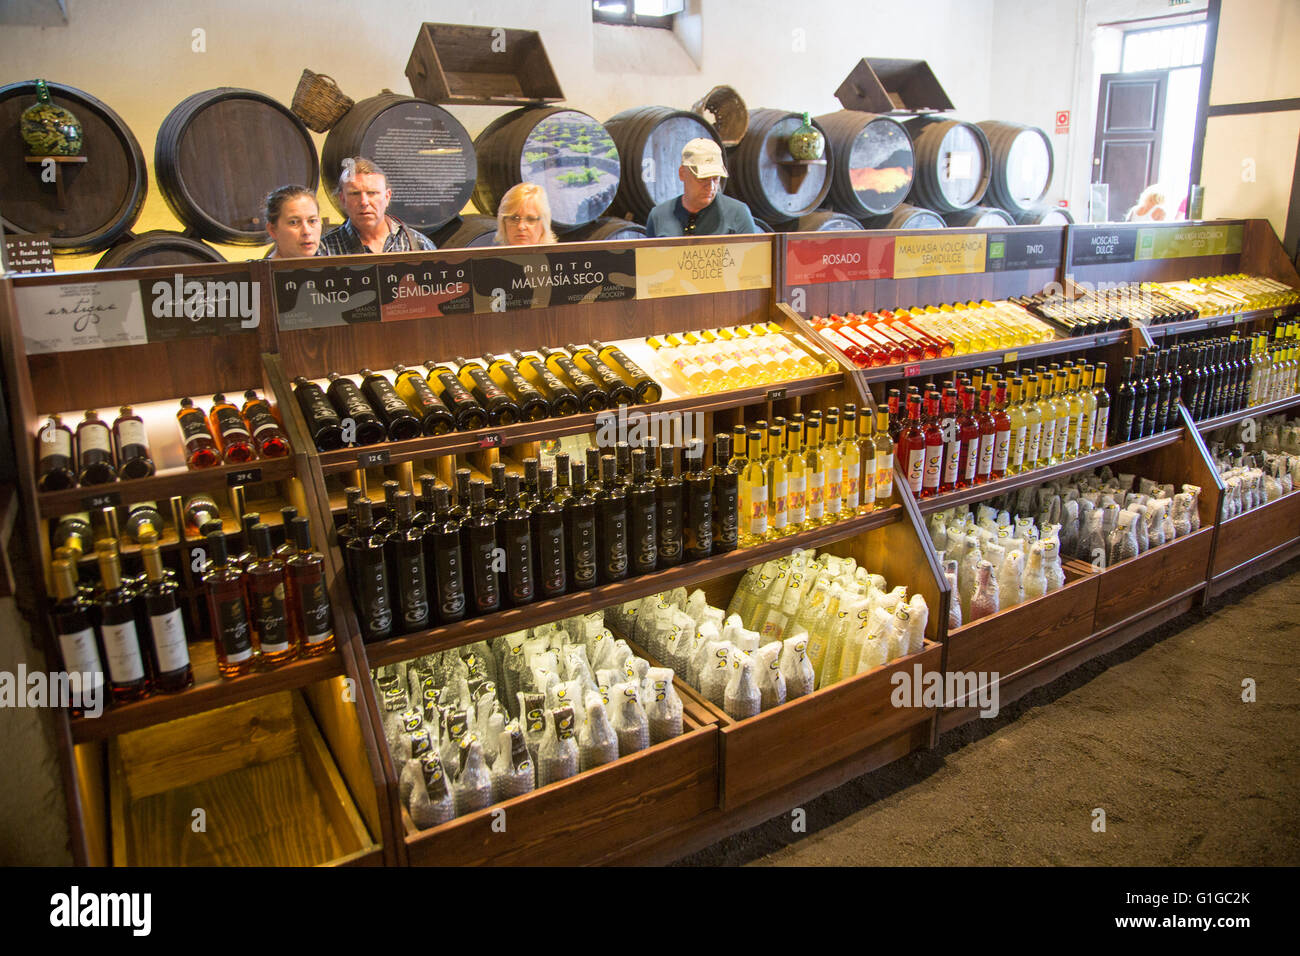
column 368, row 459
column 246, row 476
column 1010, row 357
column 773, row 394
column 490, row 440
column 910, row 370
column 107, row 499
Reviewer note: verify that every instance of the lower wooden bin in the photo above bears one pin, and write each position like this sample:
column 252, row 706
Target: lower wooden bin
column 252, row 784
column 1158, row 577
column 588, row 818
column 1255, row 539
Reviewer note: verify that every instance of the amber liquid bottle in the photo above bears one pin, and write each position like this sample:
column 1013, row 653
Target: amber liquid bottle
column 224, row 585
column 470, row 415
column 500, row 409
column 276, row 630
column 533, row 406
column 169, row 651
column 232, row 434
column 591, row 397
column 563, row 400
column 619, row 392
column 308, row 599
column 268, row 437
column 128, row 672
column 646, row 388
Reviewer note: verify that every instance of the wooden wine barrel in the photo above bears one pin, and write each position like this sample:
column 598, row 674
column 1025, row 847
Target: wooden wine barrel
column 101, row 198
column 220, row 152
column 1045, row 216
column 823, row 220
column 564, row 151
column 873, row 162
column 907, row 216
column 1022, row 165
column 605, row 229
column 983, row 216
column 428, row 157
column 725, row 111
column 650, row 141
column 952, row 164
column 465, row 232
column 160, row 247
column 762, row 173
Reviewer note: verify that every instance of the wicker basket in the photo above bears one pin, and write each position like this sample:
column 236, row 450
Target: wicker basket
column 319, row 102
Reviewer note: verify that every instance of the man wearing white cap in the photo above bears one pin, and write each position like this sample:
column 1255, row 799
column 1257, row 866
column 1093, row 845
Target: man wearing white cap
column 701, row 209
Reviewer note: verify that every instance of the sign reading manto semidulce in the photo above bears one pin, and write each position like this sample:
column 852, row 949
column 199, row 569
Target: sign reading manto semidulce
column 663, row 271
column 931, row 255
column 809, row 261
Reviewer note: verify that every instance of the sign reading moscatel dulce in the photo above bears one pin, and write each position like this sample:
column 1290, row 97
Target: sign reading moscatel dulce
column 332, row 295
column 506, row 283
column 425, row 288
column 838, row 260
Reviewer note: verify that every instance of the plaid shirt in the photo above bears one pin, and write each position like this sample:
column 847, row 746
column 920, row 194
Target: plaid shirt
column 344, row 241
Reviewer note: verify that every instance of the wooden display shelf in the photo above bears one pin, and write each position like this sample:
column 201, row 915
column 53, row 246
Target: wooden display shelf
column 453, row 443
column 270, row 791
column 1208, row 425
column 991, row 489
column 159, row 487
column 1153, row 578
column 210, row 691
column 1203, row 323
column 446, row 636
column 1254, row 541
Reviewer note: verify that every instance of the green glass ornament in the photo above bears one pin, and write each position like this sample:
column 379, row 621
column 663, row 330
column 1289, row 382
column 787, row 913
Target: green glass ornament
column 807, row 142
column 48, row 129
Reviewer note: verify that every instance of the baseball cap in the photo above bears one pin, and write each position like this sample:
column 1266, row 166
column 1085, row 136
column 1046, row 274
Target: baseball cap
column 703, row 157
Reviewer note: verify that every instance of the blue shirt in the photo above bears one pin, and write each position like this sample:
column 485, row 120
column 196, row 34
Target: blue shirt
column 722, row 217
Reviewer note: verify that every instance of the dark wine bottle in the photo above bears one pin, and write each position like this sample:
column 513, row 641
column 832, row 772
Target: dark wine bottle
column 548, row 538
column 668, row 501
column 611, row 523
column 95, row 465
column 469, row 413
column 591, row 397
column 580, row 532
column 405, row 548
column 169, row 651
column 1124, row 405
column 726, row 496
column 643, row 529
column 515, row 536
column 128, row 673
column 435, row 417
column 442, row 553
column 501, row 410
column 480, row 534
column 80, row 647
column 697, row 536
column 385, row 515
column 323, row 423
column 366, row 428
column 399, row 421
column 619, row 392
column 370, row 585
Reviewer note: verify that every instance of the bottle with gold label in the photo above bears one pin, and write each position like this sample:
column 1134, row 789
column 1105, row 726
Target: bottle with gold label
column 815, row 475
column 1047, row 411
column 1088, row 415
column 619, row 392
column 1033, row 423
column 753, row 493
column 777, row 484
column 563, row 400
column 675, row 361
column 850, row 463
column 796, row 476
column 1019, row 426
column 866, row 453
column 833, row 500
column 647, row 390
column 1061, row 406
column 1101, row 398
column 533, row 406
column 883, row 454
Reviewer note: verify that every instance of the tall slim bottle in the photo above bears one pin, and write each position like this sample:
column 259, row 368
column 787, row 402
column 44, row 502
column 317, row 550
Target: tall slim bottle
column 443, row 553
column 1121, row 421
column 611, row 524
column 1078, row 421
column 479, row 532
column 276, row 629
column 548, row 537
column 306, row 595
column 224, row 586
column 580, row 532
column 643, row 528
column 169, row 651
column 1101, row 399
column 753, row 493
column 932, row 467
column 850, row 464
column 80, row 648
column 777, row 484
column 671, row 509
column 515, row 535
column 911, row 448
column 796, row 479
column 128, row 670
column 404, row 545
column 371, row 586
column 697, row 530
column 832, row 467
column 883, row 453
column 815, row 474
column 726, row 496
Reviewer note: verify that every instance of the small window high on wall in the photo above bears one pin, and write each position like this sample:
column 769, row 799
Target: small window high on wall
column 637, row 13
column 1146, row 121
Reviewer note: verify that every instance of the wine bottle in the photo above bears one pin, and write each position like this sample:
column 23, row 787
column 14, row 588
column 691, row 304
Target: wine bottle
column 286, row 548
column 131, row 442
column 268, row 437
column 223, row 583
column 500, row 409
column 80, row 646
column 480, row 535
column 883, row 453
column 796, row 478
column 144, row 523
column 832, row 467
column 726, row 496
column 1001, row 432
column 447, row 386
column 305, row 592
column 95, row 465
column 646, row 388
column 442, row 553
column 168, row 650
column 669, row 508
column 753, row 493
column 200, row 448
column 617, row 390
column 777, row 484
column 73, row 533
column 370, row 582
column 55, row 461
column 932, row 467
column 533, row 406
column 911, row 448
column 276, row 631
column 515, row 535
column 643, row 544
column 580, row 532
column 547, row 518
column 366, row 428
column 1125, row 405
column 400, row 423
column 591, row 397
column 404, row 549
column 1101, row 397
column 232, row 434
column 128, row 674
column 323, row 422
column 563, row 400
column 611, row 525
column 435, row 417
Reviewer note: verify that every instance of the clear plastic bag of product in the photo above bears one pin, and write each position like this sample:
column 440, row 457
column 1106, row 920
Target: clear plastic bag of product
column 513, row 771
column 676, row 648
column 663, row 708
column 629, row 719
column 1123, row 540
column 1011, row 588
column 939, row 531
column 557, row 757
column 396, row 724
column 747, row 587
column 796, row 668
column 431, row 802
column 678, row 596
column 696, row 602
column 985, row 602
column 490, row 737
column 532, row 721
column 597, row 742
column 579, row 668
column 771, row 682
column 715, row 673
column 472, row 788
column 954, row 599
column 741, row 697
column 911, row 619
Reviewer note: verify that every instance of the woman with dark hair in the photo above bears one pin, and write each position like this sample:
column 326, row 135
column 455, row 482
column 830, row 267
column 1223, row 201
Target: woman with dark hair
column 293, row 222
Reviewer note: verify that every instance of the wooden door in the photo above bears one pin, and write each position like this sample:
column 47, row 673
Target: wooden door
column 1130, row 122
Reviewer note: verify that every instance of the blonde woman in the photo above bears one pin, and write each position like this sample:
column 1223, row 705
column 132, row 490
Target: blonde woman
column 524, row 217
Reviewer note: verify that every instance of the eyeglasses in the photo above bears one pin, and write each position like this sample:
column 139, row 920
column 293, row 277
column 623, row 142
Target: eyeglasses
column 530, row 220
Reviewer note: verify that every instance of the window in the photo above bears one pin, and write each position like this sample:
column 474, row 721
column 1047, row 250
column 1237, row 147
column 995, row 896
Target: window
column 636, row 13
column 1163, row 48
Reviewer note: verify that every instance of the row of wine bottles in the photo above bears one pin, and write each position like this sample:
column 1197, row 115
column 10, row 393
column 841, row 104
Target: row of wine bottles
column 98, row 454
column 413, row 565
column 1225, row 294
column 466, row 394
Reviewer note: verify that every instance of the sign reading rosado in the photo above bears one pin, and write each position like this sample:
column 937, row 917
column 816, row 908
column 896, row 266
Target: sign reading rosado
column 708, row 267
column 419, row 290
column 542, row 279
column 938, row 255
column 809, row 261
column 332, row 295
column 1181, row 242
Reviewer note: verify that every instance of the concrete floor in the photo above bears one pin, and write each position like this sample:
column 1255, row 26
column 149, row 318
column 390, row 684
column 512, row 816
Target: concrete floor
column 1155, row 734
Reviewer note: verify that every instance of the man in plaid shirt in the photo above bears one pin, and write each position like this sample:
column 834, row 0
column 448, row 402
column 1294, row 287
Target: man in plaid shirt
column 364, row 195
